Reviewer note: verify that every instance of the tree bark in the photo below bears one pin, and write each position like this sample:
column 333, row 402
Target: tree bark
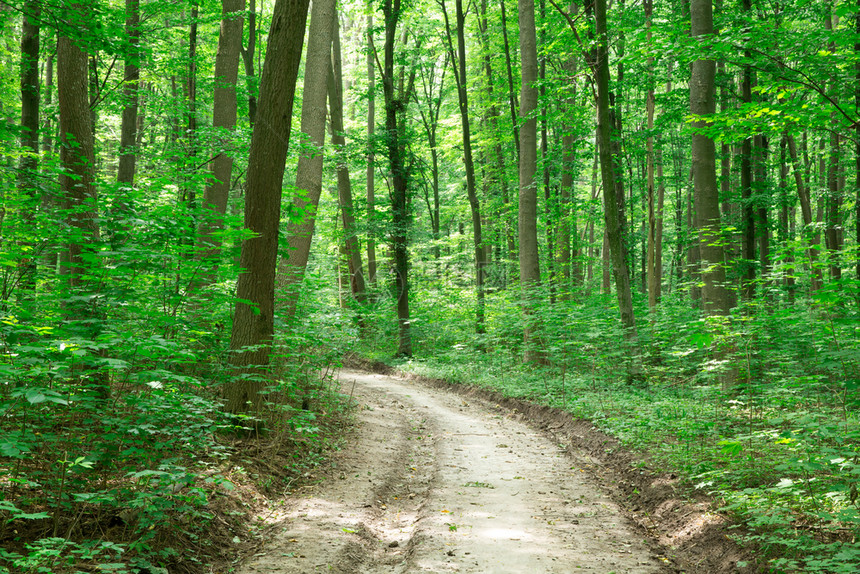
column 77, row 156
column 253, row 322
column 224, row 112
column 394, row 105
column 344, row 186
column 614, row 224
column 512, row 96
column 747, row 209
column 128, row 130
column 527, row 220
column 310, row 167
column 371, row 163
column 190, row 187
column 717, row 298
column 248, row 61
column 653, row 278
column 805, row 212
column 458, row 58
column 29, row 163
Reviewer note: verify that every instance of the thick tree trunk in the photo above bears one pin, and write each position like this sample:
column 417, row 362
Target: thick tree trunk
column 77, row 153
column 253, row 322
column 527, row 220
column 717, row 298
column 344, row 186
column 310, row 167
column 77, row 156
column 224, row 112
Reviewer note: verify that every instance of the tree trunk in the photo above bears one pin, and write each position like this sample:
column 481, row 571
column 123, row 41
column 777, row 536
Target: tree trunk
column 762, row 202
column 512, row 95
column 190, row 188
column 310, row 167
column 549, row 207
column 224, row 112
column 394, row 104
column 653, row 278
column 614, row 224
column 527, row 220
column 371, row 164
column 77, row 156
column 344, row 186
column 29, row 163
column 857, row 144
column 805, row 212
column 833, row 229
column 248, row 61
column 458, row 58
column 128, row 130
column 716, row 297
column 253, row 322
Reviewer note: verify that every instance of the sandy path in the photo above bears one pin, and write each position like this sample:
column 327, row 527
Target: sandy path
column 435, row 484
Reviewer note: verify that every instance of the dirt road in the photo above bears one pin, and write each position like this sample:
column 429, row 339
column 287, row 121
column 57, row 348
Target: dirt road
column 432, row 483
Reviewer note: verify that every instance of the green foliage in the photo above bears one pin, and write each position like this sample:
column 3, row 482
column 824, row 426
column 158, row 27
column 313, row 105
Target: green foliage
column 758, row 410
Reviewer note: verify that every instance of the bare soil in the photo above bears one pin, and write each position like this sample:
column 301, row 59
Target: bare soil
column 435, row 481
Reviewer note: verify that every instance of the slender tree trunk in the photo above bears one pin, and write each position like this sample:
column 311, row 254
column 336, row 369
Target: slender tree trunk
column 399, row 177
column 458, row 58
column 499, row 174
column 762, row 201
column 128, row 130
column 512, row 95
column 857, row 144
column 224, row 112
column 513, row 254
column 248, row 61
column 614, row 223
column 47, row 125
column 190, row 188
column 253, row 321
column 371, row 164
column 832, row 232
column 785, row 215
column 29, row 163
column 805, row 211
column 344, row 186
column 653, row 278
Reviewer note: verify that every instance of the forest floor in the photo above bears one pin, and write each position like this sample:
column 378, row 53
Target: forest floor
column 437, row 478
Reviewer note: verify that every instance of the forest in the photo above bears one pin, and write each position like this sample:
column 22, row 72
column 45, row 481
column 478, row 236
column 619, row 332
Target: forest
column 646, row 214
